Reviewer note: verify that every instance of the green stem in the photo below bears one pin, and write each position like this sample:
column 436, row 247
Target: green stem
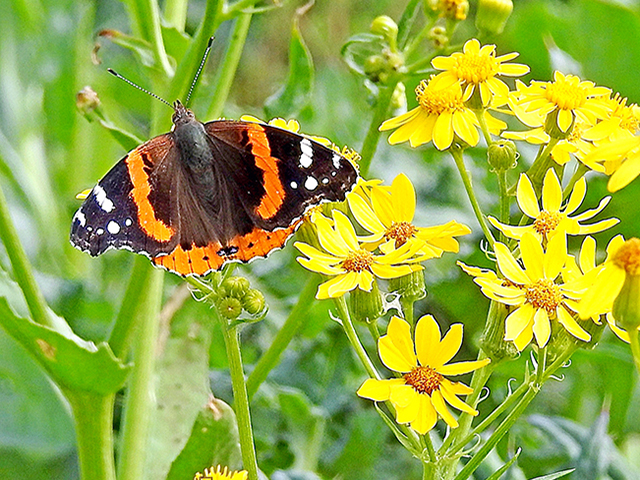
column 240, row 398
column 237, row 8
column 21, row 267
column 541, row 164
column 292, row 324
column 634, row 341
column 407, row 309
column 93, row 417
column 577, row 175
column 175, row 13
column 504, row 199
column 229, row 65
column 373, row 329
column 350, row 330
column 456, row 153
column 429, row 444
column 484, row 128
column 140, row 398
column 370, row 144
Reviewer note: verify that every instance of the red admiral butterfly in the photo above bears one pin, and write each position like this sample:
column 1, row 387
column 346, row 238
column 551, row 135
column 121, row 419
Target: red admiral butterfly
column 208, row 193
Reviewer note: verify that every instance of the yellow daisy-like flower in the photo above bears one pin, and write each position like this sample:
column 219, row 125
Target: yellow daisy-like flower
column 533, row 291
column 219, row 473
column 554, row 218
column 623, row 258
column 419, row 396
column 293, row 126
column 566, row 96
column 440, row 116
column 351, row 265
column 478, row 68
column 621, row 160
column 388, row 214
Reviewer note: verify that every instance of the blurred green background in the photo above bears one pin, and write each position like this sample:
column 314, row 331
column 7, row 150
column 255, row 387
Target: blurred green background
column 306, row 417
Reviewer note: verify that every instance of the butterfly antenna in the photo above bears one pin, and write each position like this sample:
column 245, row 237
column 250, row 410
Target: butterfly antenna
column 116, row 74
column 197, row 76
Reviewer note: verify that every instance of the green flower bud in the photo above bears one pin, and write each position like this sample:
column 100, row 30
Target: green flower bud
column 366, row 306
column 626, row 306
column 236, row 287
column 87, row 101
column 253, row 302
column 410, row 287
column 375, row 67
column 502, row 155
column 387, row 28
column 438, row 36
column 229, row 307
column 399, row 97
column 492, row 15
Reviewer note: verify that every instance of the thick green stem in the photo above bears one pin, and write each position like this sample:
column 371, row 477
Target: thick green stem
column 175, row 13
column 229, row 65
column 240, row 399
column 370, row 144
column 294, row 321
column 634, row 341
column 21, row 267
column 504, row 197
column 140, row 393
column 93, row 416
column 541, row 164
column 456, row 153
column 350, row 330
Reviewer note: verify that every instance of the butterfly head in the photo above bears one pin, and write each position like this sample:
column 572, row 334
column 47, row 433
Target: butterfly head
column 181, row 114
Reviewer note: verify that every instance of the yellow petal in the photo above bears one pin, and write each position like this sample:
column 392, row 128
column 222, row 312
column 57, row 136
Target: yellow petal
column 625, row 174
column 396, row 348
column 532, row 256
column 551, row 192
column 461, row 368
column 454, row 401
column 556, row 256
column 382, row 206
column 399, row 120
column 508, row 265
column 378, row 390
column 427, row 339
column 427, row 417
column 541, row 327
column 407, row 411
column 527, row 199
column 346, row 230
column 403, row 199
column 441, row 408
column 518, row 320
column 449, row 346
column 565, row 118
column 603, row 292
column 364, row 214
column 568, row 322
column 524, row 338
column 577, row 196
column 443, row 131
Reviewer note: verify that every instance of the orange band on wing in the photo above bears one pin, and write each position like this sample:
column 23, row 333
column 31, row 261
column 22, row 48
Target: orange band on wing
column 274, row 192
column 153, row 227
column 201, row 260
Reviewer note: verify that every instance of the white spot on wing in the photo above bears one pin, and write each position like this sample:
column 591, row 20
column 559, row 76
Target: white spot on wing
column 113, row 228
column 294, row 185
column 128, row 222
column 311, row 183
column 336, row 160
column 80, row 217
column 306, row 156
column 100, row 231
column 102, row 200
column 325, row 180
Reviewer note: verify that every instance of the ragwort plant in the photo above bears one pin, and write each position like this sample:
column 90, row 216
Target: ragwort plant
column 542, row 299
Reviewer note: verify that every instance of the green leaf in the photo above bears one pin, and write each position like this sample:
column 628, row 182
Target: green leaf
column 141, row 47
column 359, row 48
column 296, row 93
column 593, row 461
column 553, row 476
column 498, row 473
column 176, row 42
column 213, row 441
column 72, row 362
column 406, row 22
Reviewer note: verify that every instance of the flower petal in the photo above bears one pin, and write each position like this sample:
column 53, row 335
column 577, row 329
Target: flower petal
column 441, row 408
column 449, row 346
column 455, row 402
column 508, row 265
column 541, row 327
column 427, row 339
column 396, row 348
column 461, row 368
column 527, row 199
column 378, row 390
column 518, row 320
column 427, row 416
column 403, row 199
column 551, row 192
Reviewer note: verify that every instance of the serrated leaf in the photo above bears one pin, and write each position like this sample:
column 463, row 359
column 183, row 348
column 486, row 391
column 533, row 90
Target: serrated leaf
column 295, row 94
column 72, row 362
column 406, row 22
column 213, row 441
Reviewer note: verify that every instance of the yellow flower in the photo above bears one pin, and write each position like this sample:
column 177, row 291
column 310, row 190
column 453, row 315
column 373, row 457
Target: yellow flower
column 478, row 68
column 567, row 97
column 533, row 292
column 351, row 265
column 419, row 396
column 440, row 116
column 218, row 473
column 291, row 125
column 623, row 258
column 453, row 9
column 554, row 218
column 388, row 212
column 621, row 160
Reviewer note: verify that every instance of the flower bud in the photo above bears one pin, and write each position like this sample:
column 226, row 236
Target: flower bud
column 229, row 307
column 410, row 287
column 438, row 36
column 375, row 67
column 502, row 155
column 366, row 306
column 253, row 302
column 450, row 9
column 235, row 287
column 87, row 101
column 387, row 28
column 492, row 15
column 399, row 97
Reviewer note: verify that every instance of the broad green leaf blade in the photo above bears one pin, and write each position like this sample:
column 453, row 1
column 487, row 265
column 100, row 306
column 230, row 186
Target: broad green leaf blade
column 213, row 441
column 407, row 20
column 72, row 362
column 295, row 95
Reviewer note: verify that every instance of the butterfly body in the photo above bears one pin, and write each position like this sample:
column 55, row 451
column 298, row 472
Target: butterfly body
column 207, row 193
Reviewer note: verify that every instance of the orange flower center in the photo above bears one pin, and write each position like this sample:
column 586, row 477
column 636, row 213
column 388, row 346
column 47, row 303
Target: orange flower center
column 544, row 294
column 423, row 379
column 628, row 256
column 567, row 93
column 438, row 101
column 547, row 222
column 400, row 232
column 358, row 261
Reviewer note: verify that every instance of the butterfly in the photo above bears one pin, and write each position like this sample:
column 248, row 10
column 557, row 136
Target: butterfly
column 205, row 194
